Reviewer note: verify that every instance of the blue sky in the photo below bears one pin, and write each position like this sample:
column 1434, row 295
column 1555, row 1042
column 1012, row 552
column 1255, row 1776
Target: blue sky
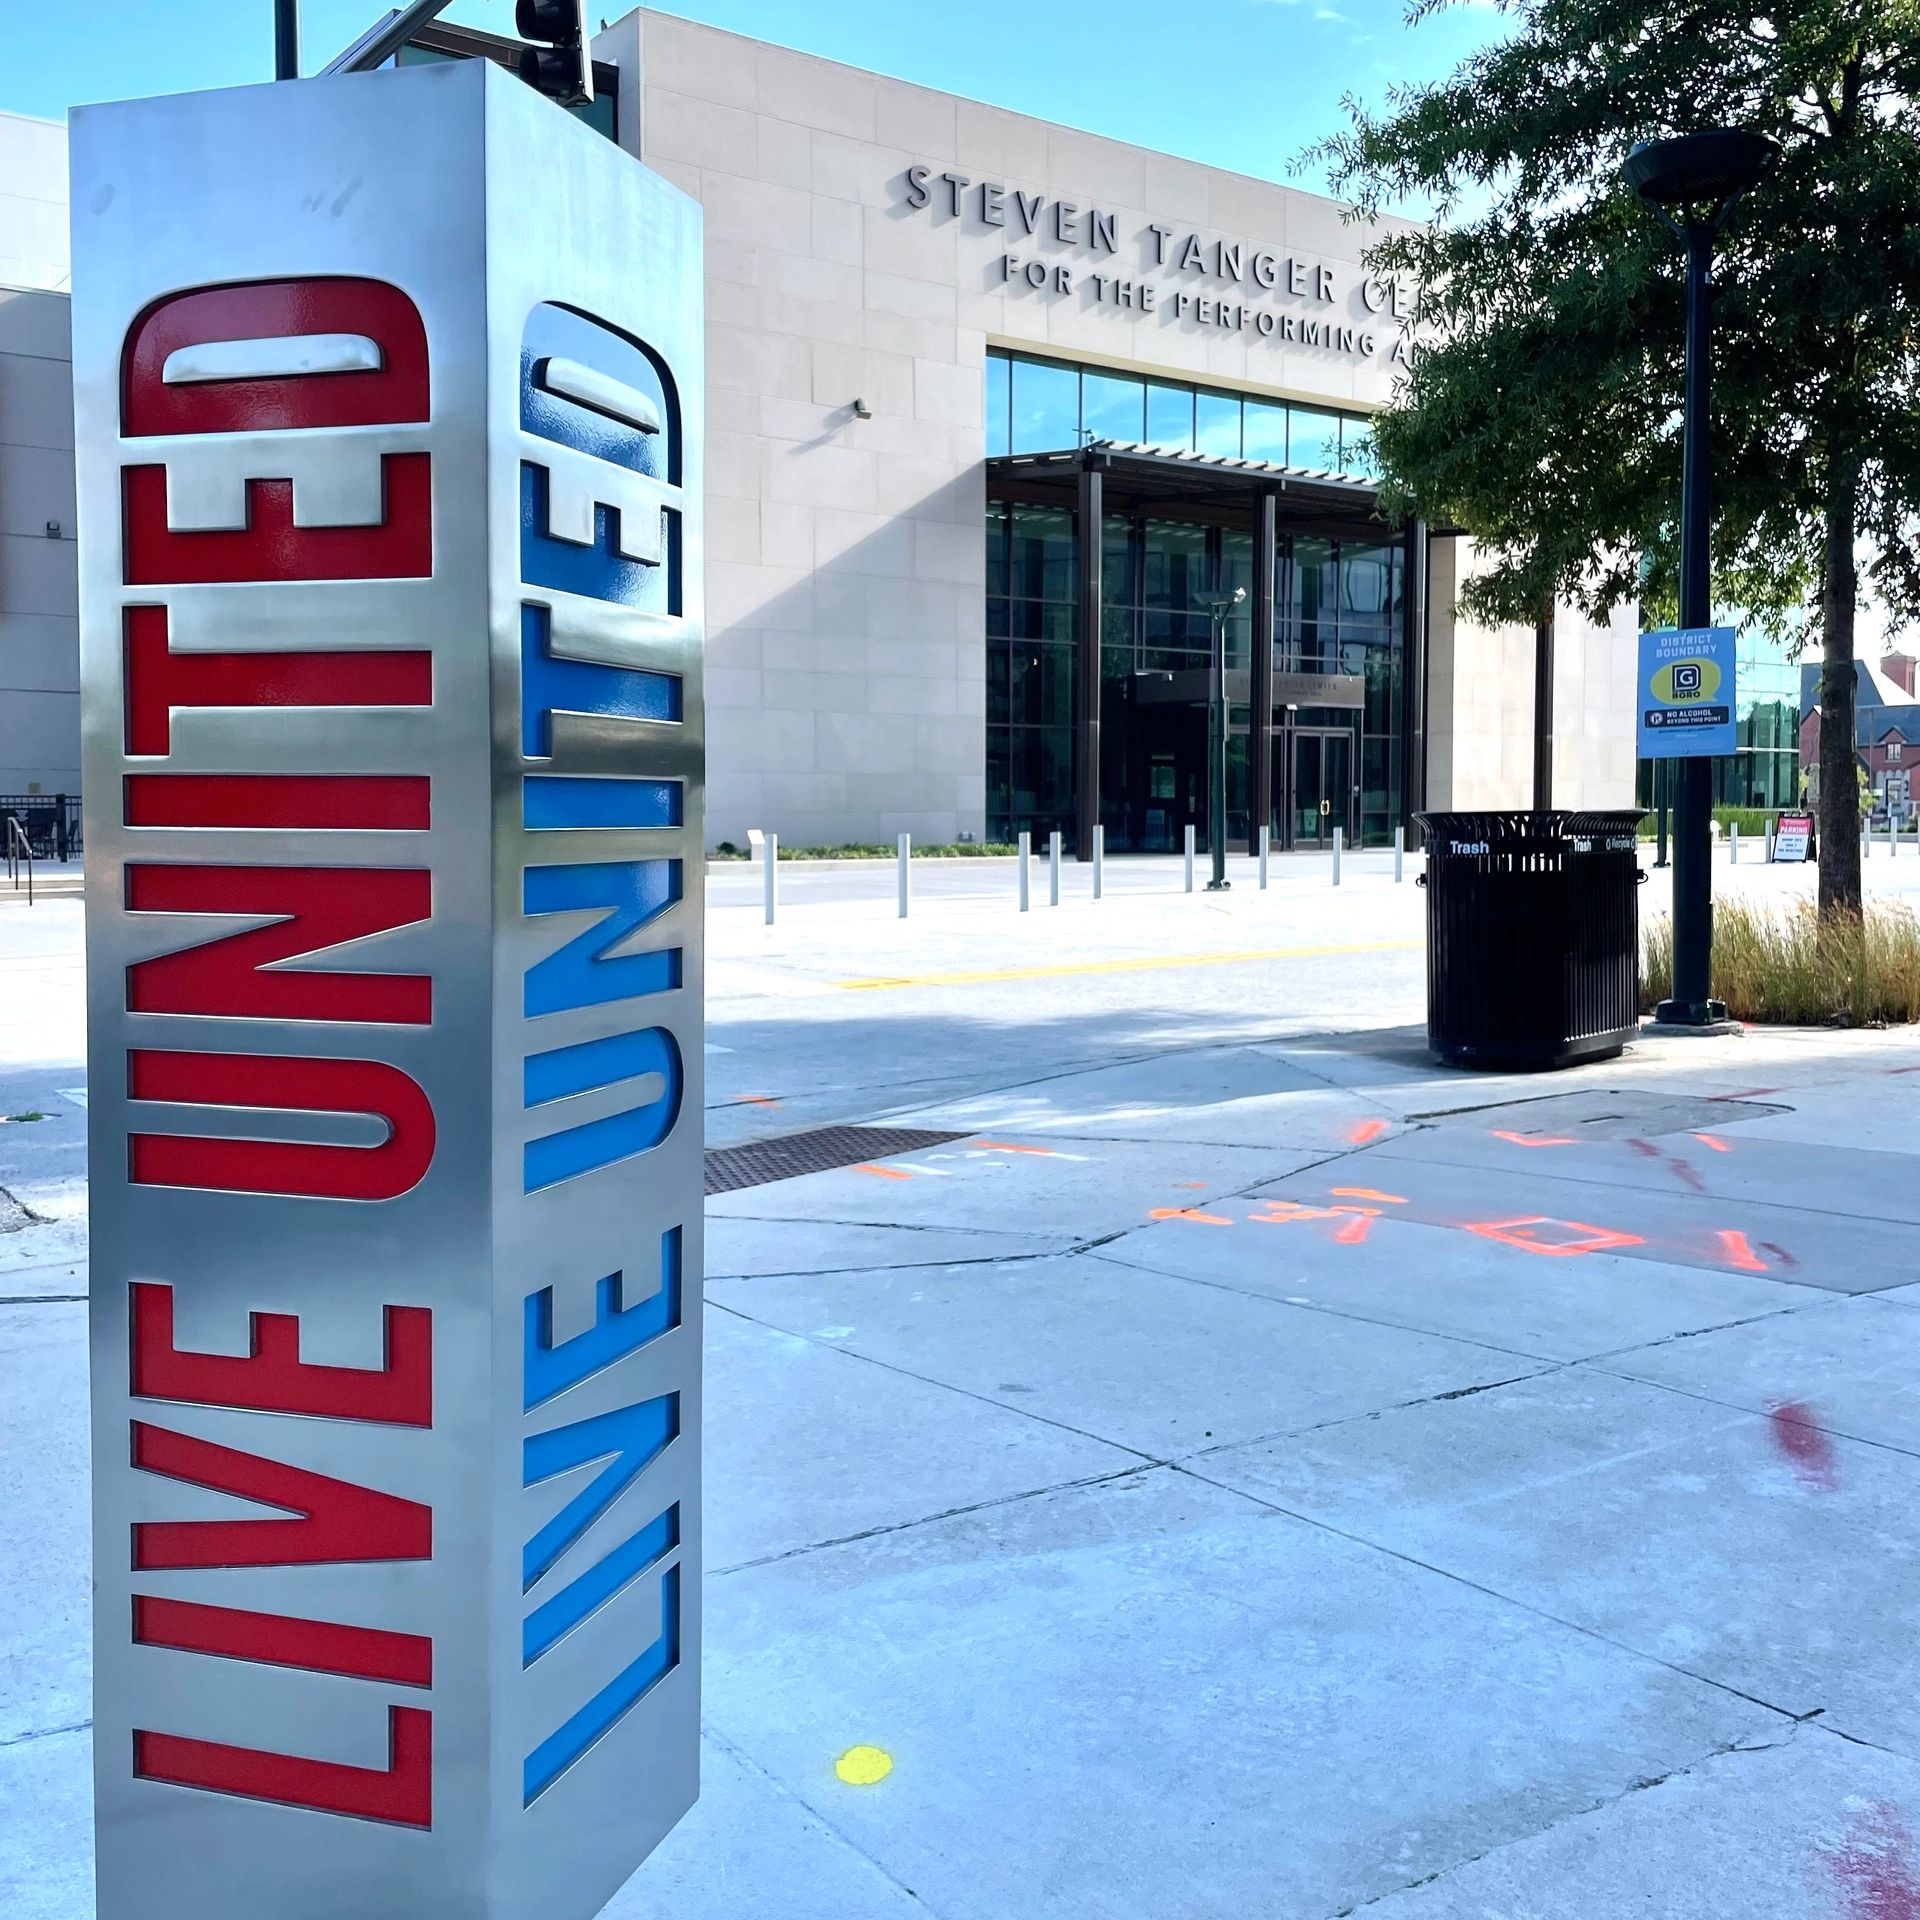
column 1247, row 84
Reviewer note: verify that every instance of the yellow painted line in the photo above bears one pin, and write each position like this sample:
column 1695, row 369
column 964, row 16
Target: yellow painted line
column 1148, row 965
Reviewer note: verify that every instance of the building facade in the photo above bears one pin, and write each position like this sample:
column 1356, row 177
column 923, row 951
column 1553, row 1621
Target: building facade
column 1002, row 417
column 945, row 344
column 39, row 594
column 1886, row 733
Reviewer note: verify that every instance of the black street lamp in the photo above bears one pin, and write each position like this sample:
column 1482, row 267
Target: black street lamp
column 1692, row 181
column 286, row 39
column 1219, row 605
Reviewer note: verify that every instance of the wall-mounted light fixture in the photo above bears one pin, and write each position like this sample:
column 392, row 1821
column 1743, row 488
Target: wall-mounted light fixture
column 861, row 411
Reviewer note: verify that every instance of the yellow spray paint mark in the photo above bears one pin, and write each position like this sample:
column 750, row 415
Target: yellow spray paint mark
column 1153, row 964
column 864, row 1766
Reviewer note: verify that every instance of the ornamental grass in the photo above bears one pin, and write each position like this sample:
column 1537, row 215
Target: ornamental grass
column 1794, row 967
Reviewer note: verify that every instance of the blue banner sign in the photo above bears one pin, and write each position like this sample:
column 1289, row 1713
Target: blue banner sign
column 1685, row 693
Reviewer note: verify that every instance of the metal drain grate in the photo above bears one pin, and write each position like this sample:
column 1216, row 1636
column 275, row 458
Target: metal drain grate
column 760, row 1161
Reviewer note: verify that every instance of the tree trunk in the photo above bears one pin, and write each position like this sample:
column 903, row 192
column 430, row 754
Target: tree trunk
column 1839, row 777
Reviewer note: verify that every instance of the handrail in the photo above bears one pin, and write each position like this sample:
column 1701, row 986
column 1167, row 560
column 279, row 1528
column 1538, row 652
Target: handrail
column 19, row 847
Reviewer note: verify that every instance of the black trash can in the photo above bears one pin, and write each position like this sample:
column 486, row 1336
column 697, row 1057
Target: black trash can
column 1533, row 936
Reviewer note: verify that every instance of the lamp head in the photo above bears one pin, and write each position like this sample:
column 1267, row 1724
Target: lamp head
column 1694, row 167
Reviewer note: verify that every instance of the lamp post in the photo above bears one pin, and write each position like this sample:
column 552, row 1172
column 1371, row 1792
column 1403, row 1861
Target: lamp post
column 1692, row 181
column 286, row 39
column 1218, row 605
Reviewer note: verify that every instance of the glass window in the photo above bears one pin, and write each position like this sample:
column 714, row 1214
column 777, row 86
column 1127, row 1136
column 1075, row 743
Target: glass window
column 1313, row 440
column 1365, row 587
column 1113, row 406
column 1264, row 434
column 1217, row 424
column 1116, row 561
column 999, row 405
column 1175, row 560
column 997, row 669
column 1356, row 448
column 1041, row 567
column 996, row 550
column 1236, row 570
column 1040, row 685
column 1310, row 601
column 1046, row 407
column 1170, row 416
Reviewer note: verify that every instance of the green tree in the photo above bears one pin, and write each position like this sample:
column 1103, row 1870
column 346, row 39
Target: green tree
column 1542, row 413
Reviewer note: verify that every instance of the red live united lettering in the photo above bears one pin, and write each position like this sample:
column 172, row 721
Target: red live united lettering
column 312, row 908
column 272, row 1378
column 338, row 1521
column 288, row 1082
column 160, row 681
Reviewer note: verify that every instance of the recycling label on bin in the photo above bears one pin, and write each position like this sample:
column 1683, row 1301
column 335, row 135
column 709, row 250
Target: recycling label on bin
column 1686, row 690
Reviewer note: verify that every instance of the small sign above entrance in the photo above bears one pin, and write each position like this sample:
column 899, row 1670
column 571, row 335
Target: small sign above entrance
column 1686, row 693
column 1319, row 690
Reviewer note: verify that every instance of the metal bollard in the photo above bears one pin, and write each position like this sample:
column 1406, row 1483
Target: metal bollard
column 1266, row 844
column 1189, row 857
column 1866, row 840
column 1099, row 857
column 1339, row 838
column 1399, row 854
column 1893, row 838
column 770, row 859
column 906, row 854
column 1733, row 843
column 1770, row 836
column 1053, row 868
column 1026, row 854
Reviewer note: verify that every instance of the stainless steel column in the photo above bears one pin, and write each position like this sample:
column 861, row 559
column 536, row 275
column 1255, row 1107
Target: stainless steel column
column 389, row 397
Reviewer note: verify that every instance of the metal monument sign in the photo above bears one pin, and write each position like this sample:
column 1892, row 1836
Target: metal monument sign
column 389, row 397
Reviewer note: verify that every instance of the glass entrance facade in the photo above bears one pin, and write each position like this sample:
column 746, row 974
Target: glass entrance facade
column 1338, row 611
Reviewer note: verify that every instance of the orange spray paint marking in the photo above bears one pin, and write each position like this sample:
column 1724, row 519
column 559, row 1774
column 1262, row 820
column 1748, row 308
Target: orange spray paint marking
column 1278, row 1212
column 1189, row 1213
column 1736, row 1252
column 1533, row 1139
column 1364, row 1131
column 1372, row 1193
column 883, row 1173
column 1714, row 1141
column 1515, row 1233
column 1007, row 1146
column 758, row 1100
column 1285, row 1213
column 1190, row 1183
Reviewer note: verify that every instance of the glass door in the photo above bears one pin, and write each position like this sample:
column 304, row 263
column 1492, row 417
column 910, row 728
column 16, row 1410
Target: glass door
column 1320, row 795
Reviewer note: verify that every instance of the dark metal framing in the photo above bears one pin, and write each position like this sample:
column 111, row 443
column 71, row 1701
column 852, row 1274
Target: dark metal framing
column 1266, row 525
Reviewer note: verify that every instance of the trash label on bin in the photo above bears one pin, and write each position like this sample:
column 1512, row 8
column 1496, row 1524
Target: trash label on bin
column 1686, row 693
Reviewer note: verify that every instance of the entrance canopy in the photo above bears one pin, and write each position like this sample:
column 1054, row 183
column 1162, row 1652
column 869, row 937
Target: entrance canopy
column 1147, row 479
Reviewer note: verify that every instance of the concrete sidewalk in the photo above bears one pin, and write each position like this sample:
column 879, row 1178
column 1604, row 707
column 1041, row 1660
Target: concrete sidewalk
column 1251, row 1472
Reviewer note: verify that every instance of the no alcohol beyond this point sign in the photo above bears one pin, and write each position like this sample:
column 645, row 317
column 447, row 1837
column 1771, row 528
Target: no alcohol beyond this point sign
column 1685, row 696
